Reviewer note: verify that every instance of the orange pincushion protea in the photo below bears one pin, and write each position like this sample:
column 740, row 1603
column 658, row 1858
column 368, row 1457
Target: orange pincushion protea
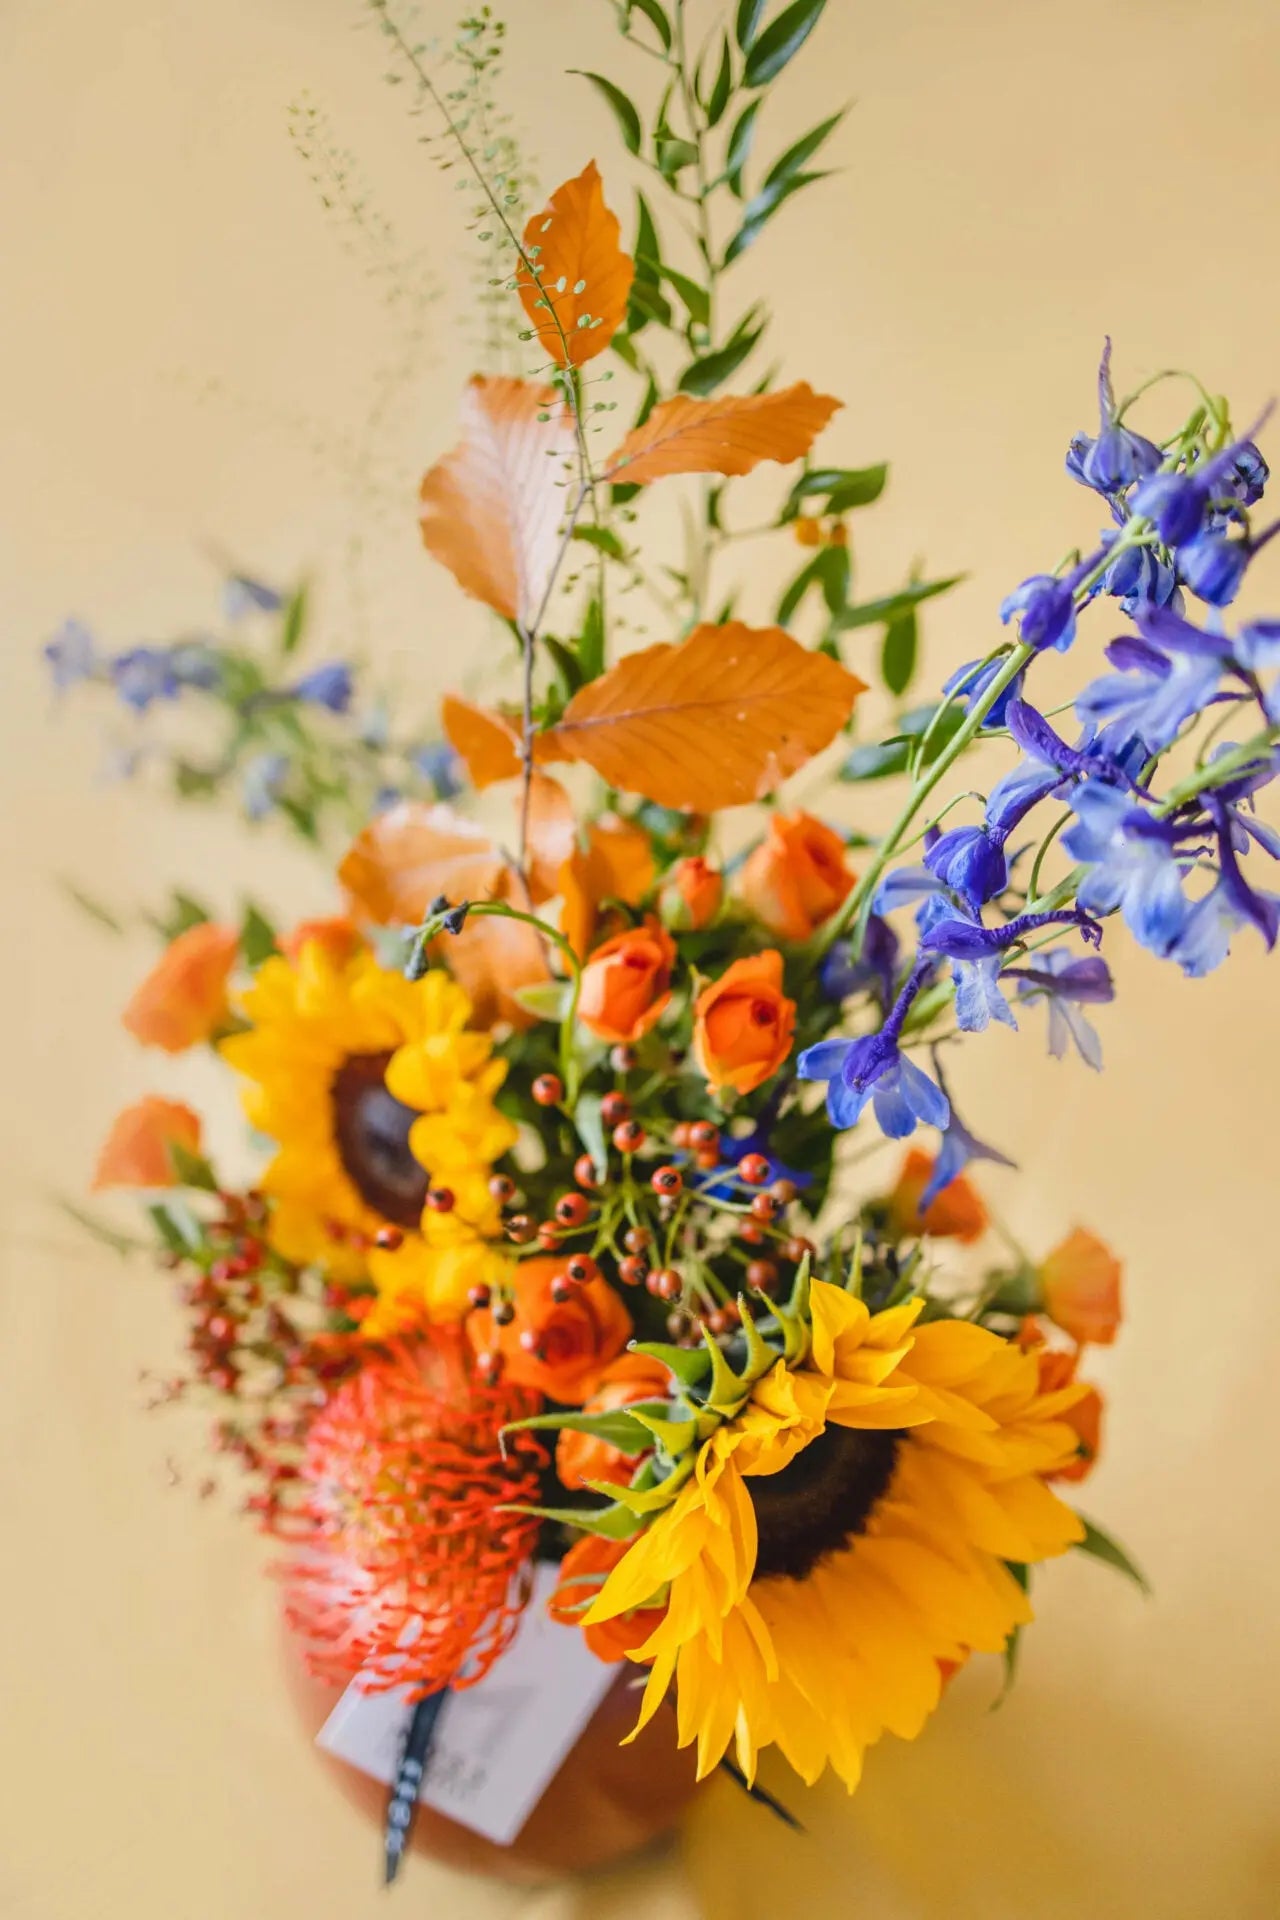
column 411, row 1571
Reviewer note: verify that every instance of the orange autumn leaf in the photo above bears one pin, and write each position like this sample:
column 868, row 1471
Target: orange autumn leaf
column 616, row 863
column 729, row 435
column 578, row 299
column 716, row 720
column 492, row 509
column 136, row 1152
column 409, row 855
column 487, row 743
column 553, row 831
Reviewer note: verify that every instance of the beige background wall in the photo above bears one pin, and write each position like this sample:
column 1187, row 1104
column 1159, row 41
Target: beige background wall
column 1020, row 176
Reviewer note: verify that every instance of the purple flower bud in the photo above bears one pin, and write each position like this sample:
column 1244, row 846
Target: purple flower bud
column 1248, row 474
column 971, row 861
column 328, row 686
column 1047, row 612
column 1213, row 566
column 971, row 681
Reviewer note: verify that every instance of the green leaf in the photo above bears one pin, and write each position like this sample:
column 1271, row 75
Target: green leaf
column 645, row 302
column 120, row 1243
column 747, row 22
column 841, row 487
column 1102, row 1547
column 1013, row 1644
column 647, row 249
column 651, row 1499
column 807, row 577
column 568, row 671
column 875, row 611
column 761, row 209
column 704, row 375
column 587, row 1119
column 674, row 156
column 611, row 1523
column 603, row 538
column 655, row 14
column 177, row 1226
column 831, row 568
column 544, row 999
column 257, row 936
column 624, row 112
column 804, row 149
column 696, row 298
column 779, row 43
column 617, row 1427
column 591, row 641
column 898, row 653
column 739, row 151
column 293, row 620
column 689, row 1365
column 876, row 761
column 190, row 1169
column 94, row 908
column 723, row 87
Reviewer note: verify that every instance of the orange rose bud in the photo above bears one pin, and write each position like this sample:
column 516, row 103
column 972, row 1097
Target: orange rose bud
column 136, row 1151
column 697, row 889
column 743, row 1023
column 580, row 1456
column 183, row 999
column 582, row 1574
column 616, row 864
column 1080, row 1286
column 335, row 936
column 626, row 983
column 956, row 1213
column 1084, row 1418
column 796, row 878
column 558, row 1347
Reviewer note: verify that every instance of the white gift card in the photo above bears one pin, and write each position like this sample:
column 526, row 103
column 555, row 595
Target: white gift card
column 498, row 1745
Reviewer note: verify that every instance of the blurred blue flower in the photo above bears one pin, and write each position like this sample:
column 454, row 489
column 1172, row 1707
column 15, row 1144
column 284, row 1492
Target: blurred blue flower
column 1213, row 565
column 1163, row 679
column 1047, row 612
column 439, row 764
column 1257, row 650
column 144, row 675
column 1066, row 982
column 242, row 595
column 1133, row 864
column 957, row 1149
column 330, row 686
column 971, row 681
column 72, row 654
column 1248, row 473
column 841, row 975
column 264, row 778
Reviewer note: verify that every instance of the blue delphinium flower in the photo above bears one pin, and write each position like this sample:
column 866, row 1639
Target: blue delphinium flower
column 330, row 686
column 1257, row 650
column 195, row 663
column 440, row 766
column 1163, row 678
column 1133, row 864
column 1066, row 982
column 72, row 654
column 1213, row 565
column 1248, row 474
column 873, row 1069
column 970, row 682
column 1179, row 502
column 144, row 675
column 971, row 862
column 1047, row 610
column 242, row 595
column 977, row 956
column 1138, row 575
column 1118, row 456
column 842, row 975
column 264, row 778
column 957, row 1149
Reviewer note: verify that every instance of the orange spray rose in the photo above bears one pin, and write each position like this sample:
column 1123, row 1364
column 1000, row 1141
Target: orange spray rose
column 1080, row 1284
column 183, row 999
column 956, row 1213
column 582, row 1574
column 580, row 1456
column 796, row 877
column 335, row 934
column 743, row 1023
column 696, row 889
column 136, row 1151
column 558, row 1347
column 626, row 983
column 1084, row 1418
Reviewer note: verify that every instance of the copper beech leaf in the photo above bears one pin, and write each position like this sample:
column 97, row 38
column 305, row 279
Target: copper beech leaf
column 578, row 300
column 716, row 720
column 730, row 435
column 492, row 510
column 409, row 855
column 553, row 831
column 487, row 743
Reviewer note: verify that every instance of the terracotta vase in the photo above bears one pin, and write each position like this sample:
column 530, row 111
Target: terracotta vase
column 606, row 1802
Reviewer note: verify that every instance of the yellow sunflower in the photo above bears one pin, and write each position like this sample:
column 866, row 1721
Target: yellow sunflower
column 375, row 1090
column 843, row 1537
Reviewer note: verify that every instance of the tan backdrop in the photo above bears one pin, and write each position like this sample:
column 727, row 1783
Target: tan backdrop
column 1019, row 177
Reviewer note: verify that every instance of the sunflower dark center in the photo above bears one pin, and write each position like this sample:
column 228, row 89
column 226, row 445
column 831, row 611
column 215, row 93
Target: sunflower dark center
column 372, row 1131
column 821, row 1500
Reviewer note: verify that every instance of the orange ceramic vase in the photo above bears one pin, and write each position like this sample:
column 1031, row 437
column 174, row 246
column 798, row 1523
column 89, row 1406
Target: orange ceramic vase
column 606, row 1802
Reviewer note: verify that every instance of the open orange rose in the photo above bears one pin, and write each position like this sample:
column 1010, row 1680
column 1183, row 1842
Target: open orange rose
column 559, row 1347
column 956, row 1213
column 1080, row 1286
column 582, row 1574
column 1084, row 1418
column 743, row 1023
column 183, row 999
column 580, row 1456
column 626, row 983
column 696, row 889
column 136, row 1151
column 336, row 935
column 796, row 877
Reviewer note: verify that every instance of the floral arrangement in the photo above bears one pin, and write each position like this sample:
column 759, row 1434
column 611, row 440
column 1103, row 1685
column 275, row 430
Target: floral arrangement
column 564, row 1247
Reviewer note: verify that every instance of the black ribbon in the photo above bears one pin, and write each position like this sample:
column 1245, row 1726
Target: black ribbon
column 402, row 1806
